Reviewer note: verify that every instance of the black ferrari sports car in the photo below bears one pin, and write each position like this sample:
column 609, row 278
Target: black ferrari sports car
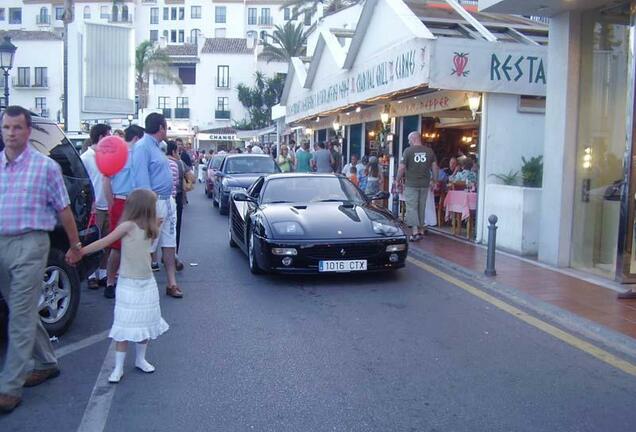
column 314, row 223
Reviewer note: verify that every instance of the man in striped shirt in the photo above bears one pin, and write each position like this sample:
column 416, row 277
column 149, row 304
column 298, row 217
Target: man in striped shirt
column 32, row 198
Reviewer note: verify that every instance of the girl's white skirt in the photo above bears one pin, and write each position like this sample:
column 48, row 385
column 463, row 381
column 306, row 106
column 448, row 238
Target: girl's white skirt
column 137, row 311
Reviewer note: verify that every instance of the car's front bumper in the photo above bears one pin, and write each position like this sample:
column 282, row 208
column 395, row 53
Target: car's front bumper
column 311, row 253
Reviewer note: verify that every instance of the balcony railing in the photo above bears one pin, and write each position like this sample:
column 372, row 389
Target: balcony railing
column 43, row 19
column 41, row 83
column 182, row 113
column 221, row 115
column 44, row 112
column 265, row 21
column 222, row 83
column 20, row 83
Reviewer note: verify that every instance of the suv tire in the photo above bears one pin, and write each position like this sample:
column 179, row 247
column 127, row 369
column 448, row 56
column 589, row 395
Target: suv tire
column 60, row 296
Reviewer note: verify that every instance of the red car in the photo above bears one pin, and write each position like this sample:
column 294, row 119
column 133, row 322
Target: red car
column 213, row 166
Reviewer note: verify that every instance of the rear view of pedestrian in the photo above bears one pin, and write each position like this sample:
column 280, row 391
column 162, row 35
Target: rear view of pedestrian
column 137, row 310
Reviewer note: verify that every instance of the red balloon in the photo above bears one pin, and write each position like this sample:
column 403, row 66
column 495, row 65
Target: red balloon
column 111, row 155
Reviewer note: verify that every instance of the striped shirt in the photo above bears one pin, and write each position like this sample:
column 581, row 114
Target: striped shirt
column 32, row 192
column 174, row 170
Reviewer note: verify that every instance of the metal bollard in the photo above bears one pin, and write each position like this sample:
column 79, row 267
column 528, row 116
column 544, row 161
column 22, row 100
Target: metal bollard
column 492, row 244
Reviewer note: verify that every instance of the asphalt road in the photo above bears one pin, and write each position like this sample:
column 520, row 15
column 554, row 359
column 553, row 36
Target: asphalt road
column 397, row 352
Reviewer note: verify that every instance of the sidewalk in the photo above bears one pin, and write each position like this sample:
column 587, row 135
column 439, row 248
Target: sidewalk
column 588, row 300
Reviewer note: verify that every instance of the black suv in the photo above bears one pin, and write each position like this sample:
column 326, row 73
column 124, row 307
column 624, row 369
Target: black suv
column 61, row 284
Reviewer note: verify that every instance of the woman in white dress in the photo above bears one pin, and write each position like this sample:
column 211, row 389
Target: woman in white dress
column 137, row 310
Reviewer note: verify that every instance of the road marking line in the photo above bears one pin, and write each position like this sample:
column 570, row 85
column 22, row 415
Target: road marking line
column 76, row 346
column 98, row 406
column 568, row 338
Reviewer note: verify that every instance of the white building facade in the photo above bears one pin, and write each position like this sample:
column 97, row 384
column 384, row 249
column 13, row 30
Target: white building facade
column 588, row 208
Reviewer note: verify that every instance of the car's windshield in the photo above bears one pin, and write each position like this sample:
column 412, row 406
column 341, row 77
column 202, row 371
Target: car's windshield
column 216, row 162
column 311, row 189
column 256, row 165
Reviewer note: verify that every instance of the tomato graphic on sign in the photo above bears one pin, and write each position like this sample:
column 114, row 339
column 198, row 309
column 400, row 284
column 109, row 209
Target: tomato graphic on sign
column 460, row 61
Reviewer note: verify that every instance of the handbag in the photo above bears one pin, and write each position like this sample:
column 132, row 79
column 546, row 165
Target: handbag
column 186, row 186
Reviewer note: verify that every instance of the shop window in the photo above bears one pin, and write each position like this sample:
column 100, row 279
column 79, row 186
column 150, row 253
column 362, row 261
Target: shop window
column 409, row 124
column 355, row 137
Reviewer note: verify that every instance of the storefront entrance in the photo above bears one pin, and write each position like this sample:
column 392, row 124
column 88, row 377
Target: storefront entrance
column 601, row 201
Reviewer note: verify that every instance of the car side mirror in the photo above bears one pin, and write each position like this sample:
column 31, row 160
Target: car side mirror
column 380, row 196
column 242, row 197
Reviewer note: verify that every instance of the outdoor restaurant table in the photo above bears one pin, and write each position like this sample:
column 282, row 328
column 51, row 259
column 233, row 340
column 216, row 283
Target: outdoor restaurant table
column 460, row 203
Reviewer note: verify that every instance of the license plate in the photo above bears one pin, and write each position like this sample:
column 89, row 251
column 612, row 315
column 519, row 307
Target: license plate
column 342, row 266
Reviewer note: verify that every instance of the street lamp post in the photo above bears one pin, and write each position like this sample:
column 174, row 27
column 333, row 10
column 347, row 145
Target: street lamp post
column 7, row 51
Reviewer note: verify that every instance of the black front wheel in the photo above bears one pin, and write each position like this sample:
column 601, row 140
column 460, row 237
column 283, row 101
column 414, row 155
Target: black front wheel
column 251, row 256
column 60, row 296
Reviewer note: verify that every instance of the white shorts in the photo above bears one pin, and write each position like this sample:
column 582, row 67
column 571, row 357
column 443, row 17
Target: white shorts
column 167, row 212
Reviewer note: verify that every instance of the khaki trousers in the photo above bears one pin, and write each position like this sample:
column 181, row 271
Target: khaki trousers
column 22, row 264
column 415, row 199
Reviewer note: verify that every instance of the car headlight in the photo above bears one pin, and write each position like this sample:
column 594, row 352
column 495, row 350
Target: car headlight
column 288, row 228
column 384, row 229
column 396, row 247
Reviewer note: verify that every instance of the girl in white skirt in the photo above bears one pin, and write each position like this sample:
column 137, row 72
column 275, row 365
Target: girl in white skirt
column 137, row 311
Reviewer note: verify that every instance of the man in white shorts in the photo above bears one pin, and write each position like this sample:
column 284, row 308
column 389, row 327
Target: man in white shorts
column 150, row 170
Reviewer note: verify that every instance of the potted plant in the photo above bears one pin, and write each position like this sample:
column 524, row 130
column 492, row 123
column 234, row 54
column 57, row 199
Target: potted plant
column 517, row 202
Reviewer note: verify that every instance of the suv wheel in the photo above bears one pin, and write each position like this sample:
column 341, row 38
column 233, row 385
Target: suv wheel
column 60, row 295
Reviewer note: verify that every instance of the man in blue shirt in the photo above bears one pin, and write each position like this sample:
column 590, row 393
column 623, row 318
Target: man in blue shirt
column 116, row 189
column 151, row 170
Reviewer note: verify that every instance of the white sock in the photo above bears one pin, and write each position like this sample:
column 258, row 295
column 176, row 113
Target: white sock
column 120, row 357
column 102, row 274
column 140, row 361
column 93, row 275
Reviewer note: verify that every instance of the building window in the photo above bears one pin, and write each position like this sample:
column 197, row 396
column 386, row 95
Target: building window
column 219, row 32
column 223, row 104
column 2, row 18
column 87, row 12
column 173, row 14
column 266, row 18
column 154, row 15
column 181, row 36
column 104, row 12
column 154, row 35
column 251, row 16
column 188, row 75
column 124, row 13
column 194, row 36
column 263, row 35
column 220, row 14
column 173, row 36
column 41, row 77
column 166, row 14
column 182, row 102
column 40, row 103
column 164, row 102
column 166, row 35
column 24, row 77
column 15, row 15
column 223, row 76
column 307, row 18
column 287, row 13
column 43, row 17
column 59, row 13
column 181, row 13
column 195, row 12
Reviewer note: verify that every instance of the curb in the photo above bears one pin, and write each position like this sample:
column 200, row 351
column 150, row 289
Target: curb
column 612, row 339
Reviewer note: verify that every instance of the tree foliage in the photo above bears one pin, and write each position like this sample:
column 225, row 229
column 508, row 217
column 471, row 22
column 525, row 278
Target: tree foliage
column 259, row 100
column 287, row 41
column 150, row 59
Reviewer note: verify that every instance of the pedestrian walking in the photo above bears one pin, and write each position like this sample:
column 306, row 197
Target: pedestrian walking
column 137, row 316
column 117, row 189
column 417, row 165
column 284, row 160
column 32, row 199
column 151, row 171
column 97, row 132
column 322, row 159
column 180, row 173
column 375, row 179
column 303, row 158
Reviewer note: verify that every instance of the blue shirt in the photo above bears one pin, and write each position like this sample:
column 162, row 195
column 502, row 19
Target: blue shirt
column 122, row 182
column 150, row 168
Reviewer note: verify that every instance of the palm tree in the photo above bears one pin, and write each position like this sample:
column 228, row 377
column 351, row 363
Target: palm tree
column 287, row 42
column 150, row 59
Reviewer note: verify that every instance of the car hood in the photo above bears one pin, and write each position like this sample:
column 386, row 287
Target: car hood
column 240, row 180
column 329, row 221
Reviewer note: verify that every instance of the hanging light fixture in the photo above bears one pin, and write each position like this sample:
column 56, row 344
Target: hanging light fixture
column 385, row 115
column 358, row 109
column 474, row 100
column 336, row 124
column 309, row 131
